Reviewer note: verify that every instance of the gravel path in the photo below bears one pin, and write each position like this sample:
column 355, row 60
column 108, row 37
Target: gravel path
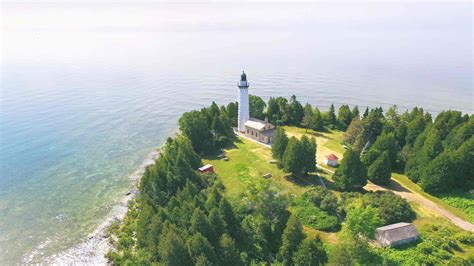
column 410, row 196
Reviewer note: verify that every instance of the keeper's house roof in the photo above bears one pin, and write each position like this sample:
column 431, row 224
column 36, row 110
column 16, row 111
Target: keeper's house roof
column 256, row 124
column 331, row 157
column 396, row 232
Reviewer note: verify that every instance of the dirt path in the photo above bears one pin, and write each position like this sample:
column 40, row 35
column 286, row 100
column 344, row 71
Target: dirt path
column 398, row 189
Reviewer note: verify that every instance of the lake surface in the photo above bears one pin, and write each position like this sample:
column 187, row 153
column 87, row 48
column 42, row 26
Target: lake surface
column 89, row 90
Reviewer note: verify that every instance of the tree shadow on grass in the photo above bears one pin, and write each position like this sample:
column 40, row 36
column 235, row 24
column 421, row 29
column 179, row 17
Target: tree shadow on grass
column 319, row 135
column 395, row 186
column 307, row 180
column 214, row 155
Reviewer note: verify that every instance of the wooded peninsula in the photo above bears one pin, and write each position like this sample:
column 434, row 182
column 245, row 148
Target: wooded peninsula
column 282, row 205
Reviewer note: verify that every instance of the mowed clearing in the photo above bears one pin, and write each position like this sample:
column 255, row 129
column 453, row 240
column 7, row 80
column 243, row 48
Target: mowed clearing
column 248, row 162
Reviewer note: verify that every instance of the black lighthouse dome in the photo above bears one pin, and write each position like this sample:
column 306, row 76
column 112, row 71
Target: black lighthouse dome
column 243, row 76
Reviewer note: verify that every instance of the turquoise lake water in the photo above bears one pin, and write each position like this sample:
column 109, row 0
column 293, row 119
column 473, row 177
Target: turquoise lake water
column 89, row 90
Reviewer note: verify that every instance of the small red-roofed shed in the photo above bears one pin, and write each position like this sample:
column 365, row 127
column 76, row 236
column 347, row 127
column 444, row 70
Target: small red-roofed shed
column 331, row 160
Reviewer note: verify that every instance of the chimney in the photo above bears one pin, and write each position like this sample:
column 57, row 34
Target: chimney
column 266, row 119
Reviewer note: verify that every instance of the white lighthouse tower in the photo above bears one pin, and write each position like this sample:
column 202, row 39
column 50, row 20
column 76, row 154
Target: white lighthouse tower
column 243, row 102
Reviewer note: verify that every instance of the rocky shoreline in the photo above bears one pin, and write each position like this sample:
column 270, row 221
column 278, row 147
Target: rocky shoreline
column 93, row 249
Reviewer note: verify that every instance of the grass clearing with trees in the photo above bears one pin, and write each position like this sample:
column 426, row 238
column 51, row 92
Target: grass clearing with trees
column 248, row 162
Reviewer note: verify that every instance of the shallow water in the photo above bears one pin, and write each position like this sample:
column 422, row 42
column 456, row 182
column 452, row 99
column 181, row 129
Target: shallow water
column 89, row 90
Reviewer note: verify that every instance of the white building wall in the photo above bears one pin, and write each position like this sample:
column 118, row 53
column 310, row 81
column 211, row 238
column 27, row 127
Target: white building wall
column 330, row 162
column 244, row 114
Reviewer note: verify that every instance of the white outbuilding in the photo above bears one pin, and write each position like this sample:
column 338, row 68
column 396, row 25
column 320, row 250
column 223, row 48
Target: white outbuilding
column 396, row 234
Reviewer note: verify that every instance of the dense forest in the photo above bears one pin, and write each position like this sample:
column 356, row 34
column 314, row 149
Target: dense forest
column 182, row 217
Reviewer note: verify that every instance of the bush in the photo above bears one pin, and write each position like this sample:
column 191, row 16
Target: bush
column 312, row 216
column 392, row 208
column 466, row 238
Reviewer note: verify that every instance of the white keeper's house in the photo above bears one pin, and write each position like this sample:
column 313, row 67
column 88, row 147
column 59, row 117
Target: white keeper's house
column 253, row 128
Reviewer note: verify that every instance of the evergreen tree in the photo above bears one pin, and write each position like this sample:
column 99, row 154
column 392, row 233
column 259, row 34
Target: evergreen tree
column 292, row 160
column 440, row 174
column 387, row 143
column 353, row 130
column 351, row 173
column 318, row 120
column 200, row 224
column 233, row 224
column 308, row 118
column 280, row 141
column 194, row 126
column 366, row 112
column 332, row 121
column 273, row 111
column 401, row 134
column 310, row 253
column 213, row 198
column 256, row 107
column 344, row 117
column 284, row 113
column 371, row 129
column 412, row 167
column 415, row 128
column 172, row 249
column 460, row 134
column 295, row 111
column 380, row 171
column 355, row 112
column 446, row 121
column 214, row 110
column 291, row 239
column 465, row 161
column 218, row 131
column 369, row 157
column 216, row 222
column 228, row 252
column 232, row 112
column 200, row 250
column 309, row 154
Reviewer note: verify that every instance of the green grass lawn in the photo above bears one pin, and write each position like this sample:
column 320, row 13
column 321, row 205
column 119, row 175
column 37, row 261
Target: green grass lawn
column 248, row 162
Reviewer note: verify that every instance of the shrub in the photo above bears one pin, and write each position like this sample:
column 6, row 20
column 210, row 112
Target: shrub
column 312, row 216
